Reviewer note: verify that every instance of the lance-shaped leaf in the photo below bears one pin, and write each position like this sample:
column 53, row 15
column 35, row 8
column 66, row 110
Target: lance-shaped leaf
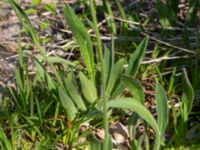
column 142, row 111
column 162, row 110
column 136, row 58
column 88, row 88
column 135, row 88
column 67, row 103
column 116, row 72
column 82, row 38
column 133, row 65
column 44, row 75
column 73, row 92
column 187, row 96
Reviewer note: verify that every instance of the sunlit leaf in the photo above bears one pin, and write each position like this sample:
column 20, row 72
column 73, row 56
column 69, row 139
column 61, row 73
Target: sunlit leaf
column 162, row 110
column 82, row 38
column 88, row 88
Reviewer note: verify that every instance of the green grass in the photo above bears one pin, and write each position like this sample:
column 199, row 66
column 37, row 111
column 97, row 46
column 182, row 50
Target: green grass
column 49, row 109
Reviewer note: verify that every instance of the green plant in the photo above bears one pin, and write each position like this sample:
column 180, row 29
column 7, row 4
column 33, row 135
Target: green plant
column 51, row 106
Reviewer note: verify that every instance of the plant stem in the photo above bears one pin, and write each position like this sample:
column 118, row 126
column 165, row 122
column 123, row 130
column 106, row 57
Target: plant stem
column 103, row 94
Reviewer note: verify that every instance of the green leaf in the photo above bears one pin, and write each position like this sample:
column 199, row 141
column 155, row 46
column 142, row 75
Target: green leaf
column 35, row 2
column 107, row 63
column 73, row 92
column 20, row 52
column 109, row 13
column 133, row 65
column 83, row 39
column 44, row 75
column 67, row 103
column 39, row 111
column 115, row 74
column 136, row 58
column 187, row 96
column 124, row 25
column 135, row 88
column 4, row 141
column 55, row 59
column 142, row 111
column 88, row 88
column 19, row 80
column 162, row 110
column 51, row 8
column 94, row 143
column 24, row 21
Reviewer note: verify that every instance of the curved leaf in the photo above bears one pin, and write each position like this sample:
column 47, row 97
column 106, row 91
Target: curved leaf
column 135, row 88
column 187, row 96
column 133, row 65
column 73, row 92
column 115, row 74
column 88, row 88
column 83, row 39
column 136, row 58
column 67, row 103
column 142, row 111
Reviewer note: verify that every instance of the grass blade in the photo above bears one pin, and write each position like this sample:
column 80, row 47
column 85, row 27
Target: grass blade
column 4, row 142
column 24, row 21
column 109, row 15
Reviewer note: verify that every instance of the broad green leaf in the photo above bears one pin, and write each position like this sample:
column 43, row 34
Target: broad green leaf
column 187, row 96
column 67, row 104
column 115, row 74
column 135, row 88
column 162, row 110
column 142, row 111
column 82, row 38
column 88, row 88
column 73, row 92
